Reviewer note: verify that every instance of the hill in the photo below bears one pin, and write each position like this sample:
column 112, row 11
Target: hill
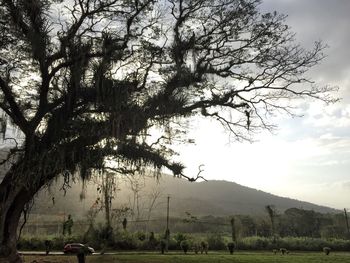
column 219, row 198
column 227, row 198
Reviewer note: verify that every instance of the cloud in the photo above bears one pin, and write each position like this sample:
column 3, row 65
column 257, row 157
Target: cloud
column 309, row 157
column 346, row 185
column 324, row 20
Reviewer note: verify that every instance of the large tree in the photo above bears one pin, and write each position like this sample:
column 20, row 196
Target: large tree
column 86, row 80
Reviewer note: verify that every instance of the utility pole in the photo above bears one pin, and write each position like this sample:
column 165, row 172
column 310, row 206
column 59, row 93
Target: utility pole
column 233, row 230
column 167, row 232
column 347, row 222
column 167, row 214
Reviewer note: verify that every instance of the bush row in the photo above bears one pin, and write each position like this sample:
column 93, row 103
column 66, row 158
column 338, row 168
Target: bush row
column 293, row 243
column 122, row 241
column 216, row 241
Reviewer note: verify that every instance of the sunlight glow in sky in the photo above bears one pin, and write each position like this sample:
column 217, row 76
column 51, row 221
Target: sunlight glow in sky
column 307, row 158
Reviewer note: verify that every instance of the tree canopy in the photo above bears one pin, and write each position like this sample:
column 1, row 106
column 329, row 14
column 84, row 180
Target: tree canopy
column 93, row 77
column 86, row 81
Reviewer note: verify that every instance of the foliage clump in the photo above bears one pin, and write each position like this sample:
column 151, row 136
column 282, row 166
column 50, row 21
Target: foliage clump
column 215, row 241
column 163, row 244
column 204, row 247
column 196, row 247
column 185, row 246
column 231, row 247
column 284, row 251
column 327, row 250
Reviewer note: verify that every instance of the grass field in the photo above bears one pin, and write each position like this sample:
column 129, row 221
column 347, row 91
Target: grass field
column 240, row 257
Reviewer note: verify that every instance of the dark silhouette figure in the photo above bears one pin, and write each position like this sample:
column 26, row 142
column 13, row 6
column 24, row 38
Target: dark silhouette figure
column 81, row 256
column 48, row 246
column 125, row 222
column 67, row 226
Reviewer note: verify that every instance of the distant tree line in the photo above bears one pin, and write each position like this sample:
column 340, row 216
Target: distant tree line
column 293, row 222
column 295, row 229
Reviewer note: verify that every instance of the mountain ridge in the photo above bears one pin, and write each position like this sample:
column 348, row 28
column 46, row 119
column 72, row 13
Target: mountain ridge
column 233, row 198
column 213, row 197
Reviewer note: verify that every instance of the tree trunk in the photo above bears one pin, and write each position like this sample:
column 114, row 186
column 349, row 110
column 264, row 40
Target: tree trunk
column 12, row 201
column 107, row 204
column 24, row 179
column 15, row 193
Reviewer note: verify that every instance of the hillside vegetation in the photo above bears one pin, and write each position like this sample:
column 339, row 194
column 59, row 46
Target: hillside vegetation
column 219, row 198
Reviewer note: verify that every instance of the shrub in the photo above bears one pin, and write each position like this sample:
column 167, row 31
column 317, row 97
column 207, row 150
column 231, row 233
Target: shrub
column 196, row 247
column 150, row 243
column 124, row 240
column 293, row 243
column 327, row 250
column 173, row 244
column 38, row 243
column 105, row 233
column 58, row 243
column 216, row 241
column 231, row 247
column 152, row 238
column 204, row 247
column 162, row 245
column 184, row 246
column 141, row 236
column 284, row 251
column 179, row 237
column 256, row 243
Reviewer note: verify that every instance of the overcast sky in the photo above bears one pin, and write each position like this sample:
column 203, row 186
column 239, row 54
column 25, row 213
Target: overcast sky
column 307, row 158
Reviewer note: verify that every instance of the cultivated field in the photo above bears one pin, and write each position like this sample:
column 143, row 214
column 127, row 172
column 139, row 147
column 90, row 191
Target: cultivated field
column 239, row 257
